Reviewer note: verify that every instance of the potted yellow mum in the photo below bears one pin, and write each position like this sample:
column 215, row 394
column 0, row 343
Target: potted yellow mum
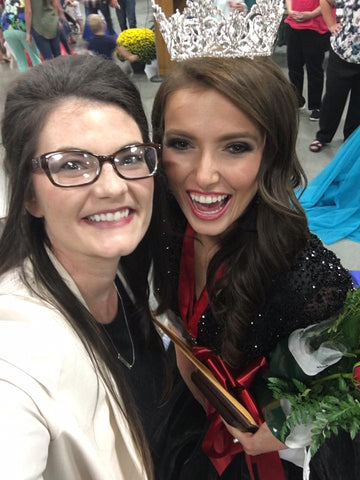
column 140, row 42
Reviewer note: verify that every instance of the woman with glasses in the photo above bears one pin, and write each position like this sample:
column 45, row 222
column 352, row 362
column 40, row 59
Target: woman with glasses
column 75, row 328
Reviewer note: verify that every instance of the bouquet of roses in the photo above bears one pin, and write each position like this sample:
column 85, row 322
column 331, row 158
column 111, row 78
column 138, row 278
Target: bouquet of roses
column 315, row 374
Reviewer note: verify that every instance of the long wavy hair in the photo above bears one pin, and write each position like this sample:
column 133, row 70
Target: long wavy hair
column 28, row 105
column 253, row 256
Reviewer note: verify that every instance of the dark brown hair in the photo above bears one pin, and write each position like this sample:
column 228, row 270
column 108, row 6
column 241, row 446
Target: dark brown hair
column 252, row 256
column 28, row 104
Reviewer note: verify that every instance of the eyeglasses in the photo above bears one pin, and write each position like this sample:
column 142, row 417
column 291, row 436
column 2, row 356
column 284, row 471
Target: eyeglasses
column 75, row 168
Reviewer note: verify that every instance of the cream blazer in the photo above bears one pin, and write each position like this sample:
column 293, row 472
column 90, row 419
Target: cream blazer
column 57, row 419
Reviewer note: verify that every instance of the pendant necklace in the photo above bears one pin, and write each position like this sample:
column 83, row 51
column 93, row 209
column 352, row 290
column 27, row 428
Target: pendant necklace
column 118, row 354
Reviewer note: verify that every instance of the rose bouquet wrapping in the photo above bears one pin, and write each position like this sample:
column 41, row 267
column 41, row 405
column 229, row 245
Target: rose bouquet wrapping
column 315, row 377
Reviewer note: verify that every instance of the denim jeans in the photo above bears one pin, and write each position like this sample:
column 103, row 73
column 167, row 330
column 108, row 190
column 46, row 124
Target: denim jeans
column 49, row 48
column 127, row 10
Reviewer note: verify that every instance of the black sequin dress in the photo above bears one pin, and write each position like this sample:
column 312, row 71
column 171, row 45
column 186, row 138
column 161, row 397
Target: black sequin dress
column 312, row 290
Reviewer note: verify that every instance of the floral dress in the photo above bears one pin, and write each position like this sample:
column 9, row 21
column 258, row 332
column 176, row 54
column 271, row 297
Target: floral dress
column 346, row 43
column 13, row 16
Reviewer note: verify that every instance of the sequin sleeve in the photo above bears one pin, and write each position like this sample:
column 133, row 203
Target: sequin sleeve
column 312, row 290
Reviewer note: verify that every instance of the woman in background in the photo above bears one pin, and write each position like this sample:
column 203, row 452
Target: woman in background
column 42, row 23
column 307, row 39
column 13, row 31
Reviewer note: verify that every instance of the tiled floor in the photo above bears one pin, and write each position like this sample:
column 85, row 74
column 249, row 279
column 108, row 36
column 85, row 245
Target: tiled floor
column 348, row 251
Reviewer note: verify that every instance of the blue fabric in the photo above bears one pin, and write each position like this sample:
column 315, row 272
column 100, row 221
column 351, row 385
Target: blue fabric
column 355, row 275
column 87, row 35
column 103, row 45
column 332, row 199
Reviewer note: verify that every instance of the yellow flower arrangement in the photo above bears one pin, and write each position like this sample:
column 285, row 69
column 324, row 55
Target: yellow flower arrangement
column 140, row 42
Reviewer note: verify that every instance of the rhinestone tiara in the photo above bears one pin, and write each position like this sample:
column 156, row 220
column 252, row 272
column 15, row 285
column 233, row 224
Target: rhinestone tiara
column 202, row 30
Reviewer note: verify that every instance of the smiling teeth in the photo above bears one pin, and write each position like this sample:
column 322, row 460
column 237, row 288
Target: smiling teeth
column 207, row 198
column 109, row 217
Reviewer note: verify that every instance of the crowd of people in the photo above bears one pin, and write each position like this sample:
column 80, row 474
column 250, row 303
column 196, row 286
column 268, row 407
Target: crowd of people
column 36, row 29
column 108, row 227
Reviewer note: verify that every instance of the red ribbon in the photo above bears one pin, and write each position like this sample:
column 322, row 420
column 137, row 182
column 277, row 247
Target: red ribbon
column 190, row 310
column 218, row 443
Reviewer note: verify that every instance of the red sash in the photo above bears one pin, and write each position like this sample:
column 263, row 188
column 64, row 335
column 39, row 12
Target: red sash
column 218, row 443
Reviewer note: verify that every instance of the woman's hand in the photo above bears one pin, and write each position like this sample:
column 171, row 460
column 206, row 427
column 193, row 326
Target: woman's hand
column 302, row 16
column 114, row 4
column 262, row 441
column 235, row 5
column 28, row 38
column 336, row 28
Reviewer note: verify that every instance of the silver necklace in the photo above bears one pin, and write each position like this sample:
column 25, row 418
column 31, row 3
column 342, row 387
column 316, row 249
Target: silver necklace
column 119, row 356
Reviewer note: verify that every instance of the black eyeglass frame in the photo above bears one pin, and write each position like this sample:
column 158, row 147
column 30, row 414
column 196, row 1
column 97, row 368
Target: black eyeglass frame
column 41, row 163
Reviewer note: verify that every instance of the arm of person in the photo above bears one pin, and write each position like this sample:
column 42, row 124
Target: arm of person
column 58, row 9
column 28, row 21
column 294, row 14
column 236, row 5
column 123, row 52
column 114, row 4
column 24, row 437
column 262, row 441
column 289, row 8
column 312, row 14
column 307, row 15
column 326, row 11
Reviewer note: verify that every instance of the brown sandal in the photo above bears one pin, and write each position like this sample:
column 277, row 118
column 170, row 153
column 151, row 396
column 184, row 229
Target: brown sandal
column 315, row 146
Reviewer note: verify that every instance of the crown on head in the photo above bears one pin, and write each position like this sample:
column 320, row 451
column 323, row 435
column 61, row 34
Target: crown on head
column 202, row 30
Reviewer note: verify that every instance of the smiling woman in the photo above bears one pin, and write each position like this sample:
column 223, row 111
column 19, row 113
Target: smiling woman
column 212, row 166
column 71, row 340
column 76, row 236
column 244, row 270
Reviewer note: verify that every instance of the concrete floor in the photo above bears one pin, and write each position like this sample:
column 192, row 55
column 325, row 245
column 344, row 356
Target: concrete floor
column 348, row 251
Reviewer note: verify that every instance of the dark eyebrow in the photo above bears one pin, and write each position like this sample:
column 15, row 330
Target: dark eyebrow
column 241, row 135
column 178, row 133
column 231, row 136
column 77, row 149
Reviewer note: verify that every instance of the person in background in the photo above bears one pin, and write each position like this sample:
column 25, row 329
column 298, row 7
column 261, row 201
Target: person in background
column 228, row 6
column 342, row 74
column 75, row 327
column 65, row 34
column 244, row 270
column 105, row 45
column 13, row 31
column 72, row 7
column 94, row 6
column 307, row 39
column 42, row 23
column 3, row 54
column 126, row 14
